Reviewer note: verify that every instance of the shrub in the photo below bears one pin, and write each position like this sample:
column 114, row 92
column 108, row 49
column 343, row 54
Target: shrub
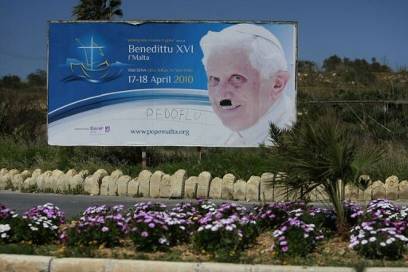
column 324, row 219
column 149, row 230
column 352, row 212
column 99, row 225
column 40, row 224
column 296, row 238
column 373, row 243
column 225, row 231
column 8, row 220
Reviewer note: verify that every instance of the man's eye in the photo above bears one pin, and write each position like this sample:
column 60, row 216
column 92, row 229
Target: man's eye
column 213, row 81
column 237, row 80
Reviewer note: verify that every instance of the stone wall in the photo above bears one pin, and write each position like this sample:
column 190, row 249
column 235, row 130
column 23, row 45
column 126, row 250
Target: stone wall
column 267, row 187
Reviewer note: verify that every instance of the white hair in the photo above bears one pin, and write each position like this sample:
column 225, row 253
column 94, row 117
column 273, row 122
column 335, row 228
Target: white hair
column 265, row 51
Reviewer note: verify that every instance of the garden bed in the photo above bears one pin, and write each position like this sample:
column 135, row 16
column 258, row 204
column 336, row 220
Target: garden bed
column 206, row 232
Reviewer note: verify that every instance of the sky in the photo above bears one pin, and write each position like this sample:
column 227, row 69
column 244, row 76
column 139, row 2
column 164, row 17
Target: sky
column 353, row 29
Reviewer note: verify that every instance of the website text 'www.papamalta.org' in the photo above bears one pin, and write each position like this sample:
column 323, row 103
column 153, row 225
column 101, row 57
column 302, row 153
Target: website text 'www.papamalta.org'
column 185, row 132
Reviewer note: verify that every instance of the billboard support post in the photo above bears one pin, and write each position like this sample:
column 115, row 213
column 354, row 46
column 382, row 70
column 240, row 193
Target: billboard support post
column 144, row 166
column 199, row 153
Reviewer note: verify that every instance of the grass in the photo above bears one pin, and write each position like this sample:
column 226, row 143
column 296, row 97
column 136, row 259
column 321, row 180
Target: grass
column 333, row 252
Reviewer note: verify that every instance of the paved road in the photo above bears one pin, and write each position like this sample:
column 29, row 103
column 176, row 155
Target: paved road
column 73, row 205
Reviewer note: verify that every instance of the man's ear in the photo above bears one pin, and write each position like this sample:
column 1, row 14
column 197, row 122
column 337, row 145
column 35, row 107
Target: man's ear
column 279, row 83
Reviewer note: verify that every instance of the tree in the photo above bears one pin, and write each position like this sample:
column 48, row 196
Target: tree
column 306, row 66
column 97, row 9
column 331, row 63
column 320, row 151
column 38, row 78
column 11, row 81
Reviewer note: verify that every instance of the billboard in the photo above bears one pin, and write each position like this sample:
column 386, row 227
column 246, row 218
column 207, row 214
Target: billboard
column 173, row 83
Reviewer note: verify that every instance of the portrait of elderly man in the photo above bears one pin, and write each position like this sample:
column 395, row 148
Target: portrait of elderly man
column 248, row 75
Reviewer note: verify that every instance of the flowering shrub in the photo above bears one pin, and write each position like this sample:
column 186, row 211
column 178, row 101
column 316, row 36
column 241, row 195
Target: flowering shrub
column 372, row 242
column 6, row 213
column 225, row 231
column 296, row 238
column 324, row 219
column 149, row 206
column 5, row 233
column 353, row 212
column 382, row 210
column 98, row 225
column 39, row 224
column 149, row 230
column 271, row 215
column 191, row 212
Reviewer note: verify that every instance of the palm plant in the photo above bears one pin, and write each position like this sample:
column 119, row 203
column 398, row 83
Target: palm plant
column 321, row 152
column 97, row 9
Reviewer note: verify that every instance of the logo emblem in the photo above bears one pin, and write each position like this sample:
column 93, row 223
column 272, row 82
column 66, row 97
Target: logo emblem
column 92, row 64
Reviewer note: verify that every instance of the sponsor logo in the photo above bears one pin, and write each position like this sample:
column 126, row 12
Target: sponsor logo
column 95, row 130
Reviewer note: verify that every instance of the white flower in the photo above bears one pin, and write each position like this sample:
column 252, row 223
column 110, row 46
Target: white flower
column 364, row 242
column 4, row 227
column 382, row 244
column 372, row 239
column 389, row 241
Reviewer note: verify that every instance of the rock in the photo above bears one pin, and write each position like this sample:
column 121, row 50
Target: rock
column 378, row 190
column 351, row 192
column 116, row 174
column 240, row 190
column 155, row 181
column 133, row 188
column 165, row 186
column 50, row 182
column 280, row 190
column 403, row 190
column 92, row 183
column 122, row 183
column 76, row 183
column 6, row 178
column 109, row 186
column 144, row 183
column 36, row 173
column 64, row 180
column 3, row 171
column 215, row 188
column 104, row 185
column 17, row 180
column 31, row 182
column 252, row 188
column 266, row 187
column 203, row 184
column 177, row 181
column 391, row 187
column 41, row 179
column 227, row 186
column 368, row 193
column 190, row 190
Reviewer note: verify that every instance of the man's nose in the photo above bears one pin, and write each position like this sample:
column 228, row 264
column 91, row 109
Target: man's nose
column 224, row 90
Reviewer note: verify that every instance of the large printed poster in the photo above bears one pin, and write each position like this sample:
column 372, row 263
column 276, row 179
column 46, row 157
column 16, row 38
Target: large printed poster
column 170, row 83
